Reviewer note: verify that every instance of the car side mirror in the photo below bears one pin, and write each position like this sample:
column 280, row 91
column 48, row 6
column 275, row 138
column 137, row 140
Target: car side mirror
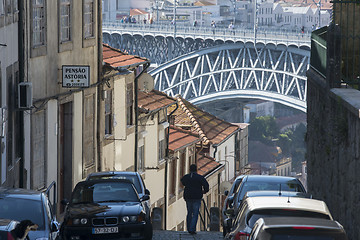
column 147, row 192
column 230, row 212
column 226, row 192
column 64, row 202
column 145, row 198
column 54, row 226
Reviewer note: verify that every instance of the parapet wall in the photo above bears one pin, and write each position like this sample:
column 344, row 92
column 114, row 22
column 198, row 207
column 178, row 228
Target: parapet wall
column 333, row 150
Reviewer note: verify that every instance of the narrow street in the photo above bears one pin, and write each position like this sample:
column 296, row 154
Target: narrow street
column 177, row 235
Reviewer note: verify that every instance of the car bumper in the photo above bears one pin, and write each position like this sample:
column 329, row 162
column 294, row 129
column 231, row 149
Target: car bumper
column 130, row 231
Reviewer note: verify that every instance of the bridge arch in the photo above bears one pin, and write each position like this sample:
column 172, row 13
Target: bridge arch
column 262, row 71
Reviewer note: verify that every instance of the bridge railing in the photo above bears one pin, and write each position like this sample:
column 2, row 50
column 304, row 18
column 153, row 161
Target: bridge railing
column 208, row 32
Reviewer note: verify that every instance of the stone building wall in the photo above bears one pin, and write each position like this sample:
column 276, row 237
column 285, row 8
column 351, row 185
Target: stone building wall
column 333, row 150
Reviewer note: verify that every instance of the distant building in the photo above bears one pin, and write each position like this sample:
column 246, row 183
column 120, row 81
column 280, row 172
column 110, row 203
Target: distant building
column 259, row 108
column 290, row 122
column 283, row 167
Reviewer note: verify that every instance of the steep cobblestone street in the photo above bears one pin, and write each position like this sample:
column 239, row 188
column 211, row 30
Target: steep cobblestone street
column 174, row 235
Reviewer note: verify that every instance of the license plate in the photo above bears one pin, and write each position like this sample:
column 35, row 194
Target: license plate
column 105, row 230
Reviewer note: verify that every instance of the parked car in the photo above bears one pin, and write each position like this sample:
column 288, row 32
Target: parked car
column 295, row 228
column 264, row 183
column 134, row 177
column 106, row 209
column 229, row 194
column 254, row 208
column 23, row 204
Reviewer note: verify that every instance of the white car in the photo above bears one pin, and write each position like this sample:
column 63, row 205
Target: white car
column 254, row 208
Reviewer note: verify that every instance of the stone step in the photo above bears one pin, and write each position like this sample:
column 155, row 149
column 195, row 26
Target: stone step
column 177, row 235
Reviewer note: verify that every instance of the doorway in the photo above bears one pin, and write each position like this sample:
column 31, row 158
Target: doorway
column 66, row 156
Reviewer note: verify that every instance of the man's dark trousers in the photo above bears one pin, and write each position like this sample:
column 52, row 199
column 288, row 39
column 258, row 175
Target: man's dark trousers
column 193, row 208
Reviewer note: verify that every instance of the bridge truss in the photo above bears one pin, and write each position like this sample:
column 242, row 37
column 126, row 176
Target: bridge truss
column 269, row 72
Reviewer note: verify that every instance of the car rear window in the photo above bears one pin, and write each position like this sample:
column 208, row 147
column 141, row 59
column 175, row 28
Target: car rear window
column 289, row 186
column 255, row 215
column 22, row 209
column 134, row 179
column 104, row 192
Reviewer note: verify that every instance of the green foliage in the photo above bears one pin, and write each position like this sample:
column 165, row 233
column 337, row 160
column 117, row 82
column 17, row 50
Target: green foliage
column 263, row 129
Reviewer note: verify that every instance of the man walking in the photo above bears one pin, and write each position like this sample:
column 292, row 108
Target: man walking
column 195, row 186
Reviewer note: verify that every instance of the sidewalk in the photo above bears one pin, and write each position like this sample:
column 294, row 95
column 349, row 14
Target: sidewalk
column 174, row 235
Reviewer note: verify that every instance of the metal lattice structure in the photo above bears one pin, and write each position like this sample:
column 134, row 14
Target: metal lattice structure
column 221, row 65
column 269, row 72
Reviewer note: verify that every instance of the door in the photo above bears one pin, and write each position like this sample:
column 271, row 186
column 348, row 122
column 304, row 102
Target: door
column 66, row 156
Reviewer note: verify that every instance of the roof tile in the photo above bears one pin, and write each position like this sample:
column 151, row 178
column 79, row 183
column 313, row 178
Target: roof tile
column 153, row 100
column 179, row 138
column 118, row 59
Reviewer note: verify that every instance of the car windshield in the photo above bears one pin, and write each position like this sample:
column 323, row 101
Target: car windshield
column 104, row 192
column 22, row 209
column 289, row 186
column 133, row 178
column 267, row 213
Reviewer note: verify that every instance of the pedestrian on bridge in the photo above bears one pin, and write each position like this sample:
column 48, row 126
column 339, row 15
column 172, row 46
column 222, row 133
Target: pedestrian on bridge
column 195, row 186
column 213, row 26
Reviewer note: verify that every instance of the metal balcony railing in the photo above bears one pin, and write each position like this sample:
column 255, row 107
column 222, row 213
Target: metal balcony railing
column 264, row 34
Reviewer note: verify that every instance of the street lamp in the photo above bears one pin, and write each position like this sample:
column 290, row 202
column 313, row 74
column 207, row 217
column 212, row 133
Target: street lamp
column 234, row 5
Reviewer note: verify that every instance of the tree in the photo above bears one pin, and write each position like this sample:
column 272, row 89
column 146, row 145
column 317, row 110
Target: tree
column 263, row 129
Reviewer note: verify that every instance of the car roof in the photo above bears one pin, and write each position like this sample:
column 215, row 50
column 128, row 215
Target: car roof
column 285, row 222
column 91, row 182
column 106, row 173
column 20, row 193
column 293, row 203
column 260, row 193
column 269, row 178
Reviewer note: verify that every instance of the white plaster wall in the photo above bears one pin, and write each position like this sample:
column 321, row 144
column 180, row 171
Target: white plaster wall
column 77, row 137
column 52, row 141
column 230, row 158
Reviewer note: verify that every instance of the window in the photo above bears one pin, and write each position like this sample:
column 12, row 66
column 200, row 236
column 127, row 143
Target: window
column 141, row 158
column 182, row 166
column 172, row 177
column 89, row 18
column 108, row 113
column 129, row 104
column 65, row 20
column 2, row 10
column 8, row 7
column 38, row 22
column 162, row 149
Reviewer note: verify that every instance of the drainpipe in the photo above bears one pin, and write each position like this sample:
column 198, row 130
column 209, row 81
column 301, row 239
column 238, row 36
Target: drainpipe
column 99, row 93
column 166, row 168
column 146, row 66
column 215, row 146
column 21, row 43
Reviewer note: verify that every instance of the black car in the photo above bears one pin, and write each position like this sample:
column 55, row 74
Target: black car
column 296, row 228
column 229, row 195
column 134, row 177
column 23, row 204
column 106, row 209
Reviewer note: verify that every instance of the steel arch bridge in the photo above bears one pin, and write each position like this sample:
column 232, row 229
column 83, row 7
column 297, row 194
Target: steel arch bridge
column 222, row 65
column 270, row 72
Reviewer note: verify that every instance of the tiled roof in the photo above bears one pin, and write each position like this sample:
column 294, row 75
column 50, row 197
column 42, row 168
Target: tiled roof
column 153, row 100
column 203, row 3
column 135, row 12
column 117, row 59
column 179, row 138
column 210, row 128
column 206, row 165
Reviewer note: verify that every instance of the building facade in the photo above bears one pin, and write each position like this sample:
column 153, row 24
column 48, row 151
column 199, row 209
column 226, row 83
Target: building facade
column 11, row 158
column 61, row 48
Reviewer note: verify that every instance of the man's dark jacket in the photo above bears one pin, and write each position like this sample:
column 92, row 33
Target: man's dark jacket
column 195, row 186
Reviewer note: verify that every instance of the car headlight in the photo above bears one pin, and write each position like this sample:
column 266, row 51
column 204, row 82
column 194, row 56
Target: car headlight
column 133, row 219
column 77, row 221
